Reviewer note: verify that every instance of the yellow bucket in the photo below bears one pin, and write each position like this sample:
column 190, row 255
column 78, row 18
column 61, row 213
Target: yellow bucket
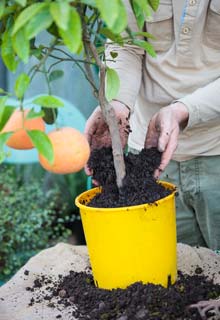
column 130, row 244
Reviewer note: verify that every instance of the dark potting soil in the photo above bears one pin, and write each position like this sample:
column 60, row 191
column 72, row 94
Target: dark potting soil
column 78, row 293
column 139, row 185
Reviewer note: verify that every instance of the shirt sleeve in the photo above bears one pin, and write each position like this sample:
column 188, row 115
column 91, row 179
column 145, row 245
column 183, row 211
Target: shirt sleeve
column 127, row 64
column 203, row 104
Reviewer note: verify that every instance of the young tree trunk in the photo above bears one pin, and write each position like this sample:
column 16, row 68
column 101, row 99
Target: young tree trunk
column 109, row 116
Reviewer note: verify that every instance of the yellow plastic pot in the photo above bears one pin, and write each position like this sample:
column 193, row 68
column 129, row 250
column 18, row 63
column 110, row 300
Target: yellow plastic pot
column 131, row 244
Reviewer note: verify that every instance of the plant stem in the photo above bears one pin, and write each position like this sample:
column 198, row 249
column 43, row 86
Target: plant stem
column 108, row 113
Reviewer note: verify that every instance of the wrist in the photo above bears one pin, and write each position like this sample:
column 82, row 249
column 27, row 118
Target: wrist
column 121, row 107
column 181, row 113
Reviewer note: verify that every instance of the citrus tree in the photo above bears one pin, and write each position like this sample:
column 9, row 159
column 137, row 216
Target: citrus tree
column 79, row 29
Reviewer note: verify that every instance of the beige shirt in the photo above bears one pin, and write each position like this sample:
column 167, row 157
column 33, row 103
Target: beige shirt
column 187, row 68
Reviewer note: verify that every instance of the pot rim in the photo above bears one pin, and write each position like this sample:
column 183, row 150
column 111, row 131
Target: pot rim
column 139, row 206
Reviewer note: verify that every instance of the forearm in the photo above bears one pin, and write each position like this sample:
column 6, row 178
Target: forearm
column 203, row 104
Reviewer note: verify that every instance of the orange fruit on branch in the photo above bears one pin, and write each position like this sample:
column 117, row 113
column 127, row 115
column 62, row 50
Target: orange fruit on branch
column 18, row 124
column 71, row 151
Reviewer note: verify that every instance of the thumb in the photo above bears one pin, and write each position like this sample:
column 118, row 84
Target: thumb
column 152, row 135
column 163, row 140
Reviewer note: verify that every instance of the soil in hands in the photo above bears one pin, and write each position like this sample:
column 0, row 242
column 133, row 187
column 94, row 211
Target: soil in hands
column 77, row 294
column 139, row 185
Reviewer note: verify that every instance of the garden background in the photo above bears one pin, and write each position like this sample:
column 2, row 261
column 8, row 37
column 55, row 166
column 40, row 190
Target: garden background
column 36, row 204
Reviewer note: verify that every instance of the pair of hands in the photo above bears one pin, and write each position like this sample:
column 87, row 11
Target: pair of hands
column 163, row 130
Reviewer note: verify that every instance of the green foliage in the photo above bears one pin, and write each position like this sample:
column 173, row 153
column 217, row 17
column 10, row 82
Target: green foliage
column 56, row 74
column 78, row 27
column 3, row 139
column 48, row 102
column 30, row 220
column 21, row 85
column 42, row 143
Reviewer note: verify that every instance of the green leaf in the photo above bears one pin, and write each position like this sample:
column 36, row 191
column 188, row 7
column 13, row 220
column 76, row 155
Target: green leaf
column 23, row 50
column 48, row 102
column 109, row 10
column 2, row 102
column 27, row 14
column 112, row 84
column 42, row 143
column 2, row 107
column 121, row 21
column 21, row 85
column 2, row 7
column 3, row 139
column 41, row 21
column 91, row 3
column 113, row 54
column 139, row 14
column 56, row 74
column 60, row 12
column 146, row 46
column 110, row 35
column 143, row 34
column 32, row 114
column 154, row 4
column 72, row 37
column 144, row 7
column 5, row 115
column 21, row 2
column 7, row 52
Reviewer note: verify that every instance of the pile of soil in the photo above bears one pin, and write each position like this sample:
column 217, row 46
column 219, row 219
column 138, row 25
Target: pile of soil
column 138, row 302
column 139, row 185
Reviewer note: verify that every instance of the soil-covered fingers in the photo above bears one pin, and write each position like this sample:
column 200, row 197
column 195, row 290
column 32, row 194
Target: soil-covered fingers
column 152, row 136
column 169, row 151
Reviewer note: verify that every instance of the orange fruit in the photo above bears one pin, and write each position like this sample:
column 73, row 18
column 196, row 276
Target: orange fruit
column 71, row 151
column 20, row 139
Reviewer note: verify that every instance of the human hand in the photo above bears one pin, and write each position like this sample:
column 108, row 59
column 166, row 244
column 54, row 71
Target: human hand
column 163, row 131
column 97, row 131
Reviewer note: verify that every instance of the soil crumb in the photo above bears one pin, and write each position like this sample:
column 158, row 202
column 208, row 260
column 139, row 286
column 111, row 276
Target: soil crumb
column 139, row 185
column 77, row 292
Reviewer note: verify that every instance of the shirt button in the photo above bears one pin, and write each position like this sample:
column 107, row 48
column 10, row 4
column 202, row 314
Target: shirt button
column 185, row 30
column 192, row 2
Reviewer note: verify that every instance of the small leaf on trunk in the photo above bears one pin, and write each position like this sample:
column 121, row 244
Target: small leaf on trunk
column 112, row 84
column 113, row 54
